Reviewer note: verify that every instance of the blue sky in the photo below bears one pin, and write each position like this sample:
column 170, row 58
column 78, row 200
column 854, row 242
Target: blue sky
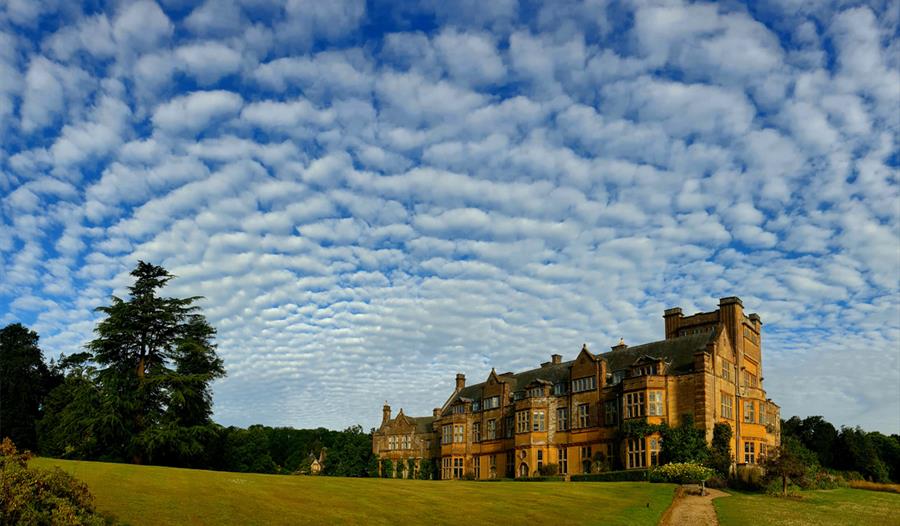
column 374, row 196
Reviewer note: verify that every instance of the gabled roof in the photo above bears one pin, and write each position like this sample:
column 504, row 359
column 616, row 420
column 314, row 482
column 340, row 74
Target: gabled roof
column 423, row 424
column 678, row 352
column 552, row 373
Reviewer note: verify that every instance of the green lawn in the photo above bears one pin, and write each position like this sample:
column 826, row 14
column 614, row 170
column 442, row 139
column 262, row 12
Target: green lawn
column 156, row 495
column 818, row 508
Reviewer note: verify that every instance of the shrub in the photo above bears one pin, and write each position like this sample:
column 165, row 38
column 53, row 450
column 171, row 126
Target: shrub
column 720, row 450
column 817, row 478
column 387, row 468
column 683, row 444
column 631, row 475
column 469, row 475
column 39, row 496
column 426, row 469
column 599, row 463
column 540, row 479
column 774, row 488
column 717, row 482
column 681, row 473
column 875, row 486
column 749, row 477
column 548, row 470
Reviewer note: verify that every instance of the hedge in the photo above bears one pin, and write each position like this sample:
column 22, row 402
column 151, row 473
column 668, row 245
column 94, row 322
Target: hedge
column 630, row 475
column 540, row 479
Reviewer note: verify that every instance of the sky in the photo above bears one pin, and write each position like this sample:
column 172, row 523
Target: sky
column 374, row 196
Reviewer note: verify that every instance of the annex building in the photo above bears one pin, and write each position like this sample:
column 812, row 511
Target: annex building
column 570, row 413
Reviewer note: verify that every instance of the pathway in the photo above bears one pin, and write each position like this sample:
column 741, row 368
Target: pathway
column 689, row 508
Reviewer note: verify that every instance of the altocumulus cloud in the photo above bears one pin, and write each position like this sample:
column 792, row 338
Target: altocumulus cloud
column 372, row 197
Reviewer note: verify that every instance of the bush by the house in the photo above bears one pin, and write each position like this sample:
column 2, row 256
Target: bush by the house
column 540, row 479
column 631, row 475
column 548, row 470
column 681, row 473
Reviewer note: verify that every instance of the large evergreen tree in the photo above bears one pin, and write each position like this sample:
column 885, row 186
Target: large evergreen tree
column 24, row 381
column 156, row 359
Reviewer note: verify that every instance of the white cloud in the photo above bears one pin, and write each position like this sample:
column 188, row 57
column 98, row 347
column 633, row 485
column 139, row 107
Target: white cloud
column 141, row 26
column 193, row 112
column 508, row 183
column 45, row 93
column 208, row 61
column 470, row 58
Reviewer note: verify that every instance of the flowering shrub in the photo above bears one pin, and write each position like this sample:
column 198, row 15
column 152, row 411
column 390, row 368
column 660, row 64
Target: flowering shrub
column 681, row 473
column 38, row 496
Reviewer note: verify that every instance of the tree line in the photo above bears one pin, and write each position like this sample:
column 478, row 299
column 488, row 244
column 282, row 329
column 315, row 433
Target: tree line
column 140, row 392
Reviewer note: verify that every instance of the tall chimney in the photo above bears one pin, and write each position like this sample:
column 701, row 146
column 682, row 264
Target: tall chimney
column 556, row 358
column 731, row 314
column 436, row 412
column 673, row 320
column 620, row 346
column 385, row 413
column 460, row 381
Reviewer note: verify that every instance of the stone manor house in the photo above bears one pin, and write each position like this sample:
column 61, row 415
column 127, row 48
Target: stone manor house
column 708, row 368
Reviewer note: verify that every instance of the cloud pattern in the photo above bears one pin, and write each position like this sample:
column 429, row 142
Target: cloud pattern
column 374, row 196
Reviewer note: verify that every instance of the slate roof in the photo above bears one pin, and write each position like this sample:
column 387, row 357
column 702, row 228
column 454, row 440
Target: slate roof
column 677, row 352
column 423, row 423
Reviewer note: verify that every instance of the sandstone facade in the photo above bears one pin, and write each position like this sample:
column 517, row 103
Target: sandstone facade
column 708, row 368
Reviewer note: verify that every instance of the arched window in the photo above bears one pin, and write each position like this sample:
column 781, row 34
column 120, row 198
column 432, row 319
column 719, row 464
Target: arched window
column 523, row 469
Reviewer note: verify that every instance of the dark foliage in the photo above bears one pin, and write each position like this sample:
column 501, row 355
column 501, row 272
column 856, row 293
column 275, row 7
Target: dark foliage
column 39, row 497
column 685, row 443
column 24, row 382
column 720, row 450
column 631, row 475
column 789, row 461
column 874, row 456
column 855, row 450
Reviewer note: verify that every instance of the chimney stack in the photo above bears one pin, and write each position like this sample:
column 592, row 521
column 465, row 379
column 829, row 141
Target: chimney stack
column 385, row 413
column 460, row 381
column 620, row 346
column 556, row 358
column 673, row 320
column 436, row 412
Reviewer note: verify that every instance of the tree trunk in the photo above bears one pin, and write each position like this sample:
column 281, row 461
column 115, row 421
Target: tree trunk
column 784, row 486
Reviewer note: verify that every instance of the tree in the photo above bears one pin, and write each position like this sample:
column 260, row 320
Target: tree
column 720, row 450
column 816, row 434
column 856, row 451
column 349, row 454
column 684, row 443
column 788, row 461
column 888, row 448
column 387, row 468
column 157, row 359
column 24, row 381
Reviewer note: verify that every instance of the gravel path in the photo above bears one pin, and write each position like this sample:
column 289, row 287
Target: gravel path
column 689, row 508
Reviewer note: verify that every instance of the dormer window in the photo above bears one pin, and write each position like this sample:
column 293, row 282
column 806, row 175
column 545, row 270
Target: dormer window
column 535, row 392
column 588, row 383
column 476, row 405
column 617, row 377
column 644, row 370
column 518, row 395
column 459, row 409
column 560, row 389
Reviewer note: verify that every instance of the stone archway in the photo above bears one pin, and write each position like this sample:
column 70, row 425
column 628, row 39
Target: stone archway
column 523, row 469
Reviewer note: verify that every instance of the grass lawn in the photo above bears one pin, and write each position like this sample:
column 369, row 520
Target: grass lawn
column 156, row 495
column 819, row 508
